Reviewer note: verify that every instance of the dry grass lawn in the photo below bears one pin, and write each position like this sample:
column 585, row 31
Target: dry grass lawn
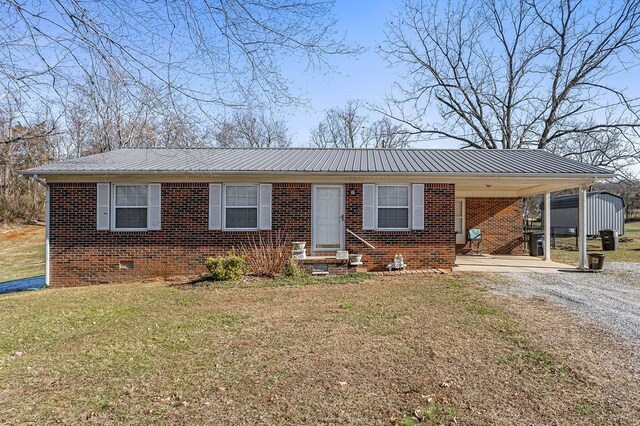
column 390, row 350
column 629, row 251
column 21, row 252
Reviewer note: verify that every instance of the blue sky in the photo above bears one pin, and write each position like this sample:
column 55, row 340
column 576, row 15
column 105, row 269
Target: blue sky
column 365, row 77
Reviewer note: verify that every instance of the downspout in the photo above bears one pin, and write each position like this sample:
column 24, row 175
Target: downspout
column 47, row 219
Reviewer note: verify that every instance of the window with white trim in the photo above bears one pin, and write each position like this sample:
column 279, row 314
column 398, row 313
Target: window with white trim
column 392, row 202
column 241, row 207
column 130, row 207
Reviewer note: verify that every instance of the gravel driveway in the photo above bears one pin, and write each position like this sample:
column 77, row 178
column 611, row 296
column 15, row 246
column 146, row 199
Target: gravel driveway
column 611, row 298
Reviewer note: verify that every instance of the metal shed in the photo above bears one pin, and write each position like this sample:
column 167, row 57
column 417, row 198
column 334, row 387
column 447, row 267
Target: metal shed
column 604, row 211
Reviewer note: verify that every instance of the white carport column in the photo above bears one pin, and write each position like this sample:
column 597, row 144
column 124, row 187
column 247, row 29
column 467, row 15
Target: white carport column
column 582, row 228
column 547, row 226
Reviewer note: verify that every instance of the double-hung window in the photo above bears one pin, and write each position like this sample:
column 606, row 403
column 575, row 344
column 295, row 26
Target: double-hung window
column 130, row 207
column 392, row 207
column 241, row 207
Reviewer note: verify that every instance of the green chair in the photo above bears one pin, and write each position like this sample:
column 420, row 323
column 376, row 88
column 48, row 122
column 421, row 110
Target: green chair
column 474, row 235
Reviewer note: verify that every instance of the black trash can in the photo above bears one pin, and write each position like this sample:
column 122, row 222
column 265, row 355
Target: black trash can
column 609, row 239
column 536, row 243
column 596, row 261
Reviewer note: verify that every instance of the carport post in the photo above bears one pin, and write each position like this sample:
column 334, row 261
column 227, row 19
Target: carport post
column 582, row 228
column 547, row 226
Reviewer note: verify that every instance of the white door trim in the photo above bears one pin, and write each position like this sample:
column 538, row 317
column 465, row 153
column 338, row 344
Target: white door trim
column 313, row 218
column 462, row 239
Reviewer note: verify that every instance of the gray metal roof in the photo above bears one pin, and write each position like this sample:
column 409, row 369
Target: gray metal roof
column 316, row 161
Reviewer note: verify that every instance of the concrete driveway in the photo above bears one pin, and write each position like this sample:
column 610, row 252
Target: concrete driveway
column 507, row 264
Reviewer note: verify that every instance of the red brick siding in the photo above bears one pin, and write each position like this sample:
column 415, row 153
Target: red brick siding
column 433, row 247
column 82, row 255
column 500, row 220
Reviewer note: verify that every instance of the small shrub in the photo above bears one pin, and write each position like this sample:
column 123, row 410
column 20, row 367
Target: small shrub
column 291, row 268
column 267, row 256
column 229, row 268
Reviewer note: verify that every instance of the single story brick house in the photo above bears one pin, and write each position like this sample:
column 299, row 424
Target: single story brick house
column 133, row 214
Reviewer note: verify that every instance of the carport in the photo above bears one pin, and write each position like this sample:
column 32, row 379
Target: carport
column 516, row 186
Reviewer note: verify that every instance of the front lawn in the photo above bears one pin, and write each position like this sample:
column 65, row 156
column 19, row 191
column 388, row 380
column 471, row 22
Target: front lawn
column 388, row 350
column 21, row 252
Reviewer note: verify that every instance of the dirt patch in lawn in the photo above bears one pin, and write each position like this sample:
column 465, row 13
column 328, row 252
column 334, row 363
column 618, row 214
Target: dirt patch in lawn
column 390, row 350
column 14, row 233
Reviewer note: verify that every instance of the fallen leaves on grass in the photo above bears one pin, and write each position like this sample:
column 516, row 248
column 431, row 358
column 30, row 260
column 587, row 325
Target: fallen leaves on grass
column 401, row 350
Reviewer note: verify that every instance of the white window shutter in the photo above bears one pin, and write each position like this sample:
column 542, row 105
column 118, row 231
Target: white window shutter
column 103, row 206
column 368, row 206
column 265, row 206
column 417, row 218
column 155, row 209
column 215, row 206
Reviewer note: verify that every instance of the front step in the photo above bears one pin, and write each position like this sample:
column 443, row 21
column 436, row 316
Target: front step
column 324, row 265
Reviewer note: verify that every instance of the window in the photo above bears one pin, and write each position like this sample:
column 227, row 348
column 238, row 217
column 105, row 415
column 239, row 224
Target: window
column 130, row 207
column 241, row 206
column 393, row 206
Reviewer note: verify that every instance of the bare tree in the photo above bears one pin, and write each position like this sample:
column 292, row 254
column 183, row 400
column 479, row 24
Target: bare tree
column 220, row 53
column 606, row 148
column 515, row 73
column 385, row 133
column 111, row 74
column 24, row 145
column 251, row 129
column 341, row 128
column 347, row 127
column 103, row 113
column 629, row 190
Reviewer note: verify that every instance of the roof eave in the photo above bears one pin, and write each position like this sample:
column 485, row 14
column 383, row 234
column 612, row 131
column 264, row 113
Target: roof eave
column 44, row 173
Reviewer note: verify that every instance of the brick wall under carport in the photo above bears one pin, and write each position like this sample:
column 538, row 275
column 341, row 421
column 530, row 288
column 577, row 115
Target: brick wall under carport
column 500, row 220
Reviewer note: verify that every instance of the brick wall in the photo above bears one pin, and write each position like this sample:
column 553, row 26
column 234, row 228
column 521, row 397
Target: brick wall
column 433, row 247
column 82, row 255
column 500, row 220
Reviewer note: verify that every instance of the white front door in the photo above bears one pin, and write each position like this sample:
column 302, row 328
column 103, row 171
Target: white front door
column 461, row 232
column 327, row 233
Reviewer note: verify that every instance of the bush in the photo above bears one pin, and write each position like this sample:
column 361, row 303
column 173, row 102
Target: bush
column 229, row 268
column 291, row 269
column 267, row 256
